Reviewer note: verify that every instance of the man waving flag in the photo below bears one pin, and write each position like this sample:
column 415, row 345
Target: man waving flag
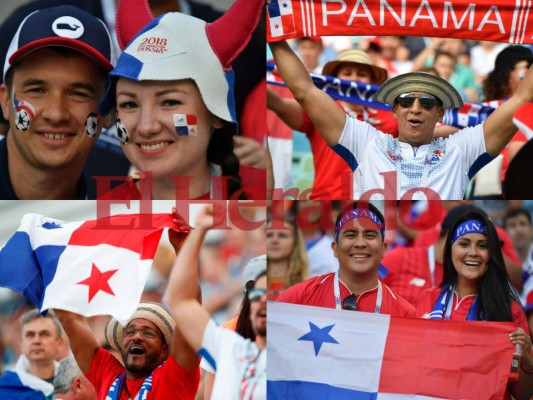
column 90, row 267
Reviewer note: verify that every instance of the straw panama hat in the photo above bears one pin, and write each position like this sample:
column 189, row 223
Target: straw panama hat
column 358, row 57
column 153, row 312
column 419, row 82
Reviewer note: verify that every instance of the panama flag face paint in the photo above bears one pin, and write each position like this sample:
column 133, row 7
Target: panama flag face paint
column 24, row 114
column 185, row 125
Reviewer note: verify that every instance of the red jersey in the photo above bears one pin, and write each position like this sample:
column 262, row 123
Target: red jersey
column 409, row 272
column 318, row 291
column 169, row 381
column 518, row 137
column 253, row 182
column 332, row 173
column 460, row 307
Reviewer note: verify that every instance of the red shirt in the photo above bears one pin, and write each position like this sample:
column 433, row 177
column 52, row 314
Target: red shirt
column 318, row 291
column 169, row 381
column 253, row 182
column 460, row 307
column 518, row 137
column 333, row 176
column 409, row 274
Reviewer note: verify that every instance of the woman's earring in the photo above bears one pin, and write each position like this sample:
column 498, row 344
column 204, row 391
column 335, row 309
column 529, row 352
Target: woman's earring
column 122, row 133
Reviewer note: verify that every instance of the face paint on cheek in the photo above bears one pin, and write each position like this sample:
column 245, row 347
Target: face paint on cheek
column 24, row 114
column 122, row 133
column 185, row 125
column 91, row 125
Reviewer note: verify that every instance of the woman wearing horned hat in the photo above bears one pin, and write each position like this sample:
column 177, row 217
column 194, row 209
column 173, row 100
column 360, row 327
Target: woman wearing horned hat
column 173, row 91
column 476, row 287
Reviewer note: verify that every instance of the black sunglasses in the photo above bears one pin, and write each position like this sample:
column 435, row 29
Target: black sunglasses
column 427, row 101
column 349, row 303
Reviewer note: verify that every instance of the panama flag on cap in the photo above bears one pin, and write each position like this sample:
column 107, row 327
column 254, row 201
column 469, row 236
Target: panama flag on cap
column 281, row 17
column 96, row 267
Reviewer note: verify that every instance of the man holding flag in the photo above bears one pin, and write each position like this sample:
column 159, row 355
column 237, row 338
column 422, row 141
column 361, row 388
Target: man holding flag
column 391, row 168
column 359, row 246
column 99, row 267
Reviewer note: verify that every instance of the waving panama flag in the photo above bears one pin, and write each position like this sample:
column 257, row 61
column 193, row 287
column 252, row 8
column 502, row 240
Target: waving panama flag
column 319, row 353
column 94, row 267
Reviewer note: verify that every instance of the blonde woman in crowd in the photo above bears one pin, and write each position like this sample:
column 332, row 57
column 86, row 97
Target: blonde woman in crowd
column 287, row 259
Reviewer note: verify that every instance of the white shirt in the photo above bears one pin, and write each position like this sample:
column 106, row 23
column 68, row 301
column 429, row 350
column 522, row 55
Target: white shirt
column 239, row 364
column 446, row 165
column 321, row 257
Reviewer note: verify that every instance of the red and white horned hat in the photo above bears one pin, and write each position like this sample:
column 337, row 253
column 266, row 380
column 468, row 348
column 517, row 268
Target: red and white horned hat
column 176, row 46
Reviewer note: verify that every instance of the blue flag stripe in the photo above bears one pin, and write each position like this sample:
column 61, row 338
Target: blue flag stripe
column 294, row 390
column 27, row 271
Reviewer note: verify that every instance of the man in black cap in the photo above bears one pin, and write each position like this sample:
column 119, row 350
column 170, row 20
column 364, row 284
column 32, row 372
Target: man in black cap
column 413, row 164
column 55, row 74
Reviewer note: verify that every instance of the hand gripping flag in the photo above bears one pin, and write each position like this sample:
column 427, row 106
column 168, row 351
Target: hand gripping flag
column 96, row 267
column 320, row 353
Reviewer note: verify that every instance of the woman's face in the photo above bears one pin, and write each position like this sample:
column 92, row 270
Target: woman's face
column 153, row 113
column 516, row 75
column 280, row 243
column 470, row 256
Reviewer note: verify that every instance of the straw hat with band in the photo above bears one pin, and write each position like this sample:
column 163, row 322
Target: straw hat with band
column 153, row 312
column 356, row 58
column 419, row 82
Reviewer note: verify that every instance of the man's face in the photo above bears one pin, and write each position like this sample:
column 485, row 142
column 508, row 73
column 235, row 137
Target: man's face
column 258, row 311
column 359, row 248
column 143, row 347
column 40, row 340
column 63, row 90
column 445, row 66
column 520, row 231
column 355, row 72
column 416, row 124
column 309, row 52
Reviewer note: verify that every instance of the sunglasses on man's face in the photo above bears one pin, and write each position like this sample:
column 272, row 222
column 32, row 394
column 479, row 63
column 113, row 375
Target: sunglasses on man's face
column 426, row 101
column 350, row 303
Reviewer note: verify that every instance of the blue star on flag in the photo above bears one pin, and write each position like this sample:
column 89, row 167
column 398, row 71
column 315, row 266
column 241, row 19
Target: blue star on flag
column 51, row 225
column 318, row 336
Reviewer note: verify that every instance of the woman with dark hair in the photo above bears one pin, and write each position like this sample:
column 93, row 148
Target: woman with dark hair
column 174, row 96
column 241, row 323
column 476, row 287
column 510, row 68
